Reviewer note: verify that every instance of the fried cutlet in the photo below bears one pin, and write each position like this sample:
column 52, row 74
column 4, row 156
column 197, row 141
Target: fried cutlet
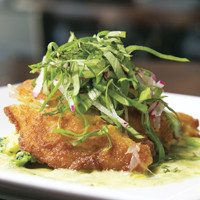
column 56, row 150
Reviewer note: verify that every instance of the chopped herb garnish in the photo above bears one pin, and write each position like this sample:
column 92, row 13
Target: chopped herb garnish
column 22, row 157
column 98, row 72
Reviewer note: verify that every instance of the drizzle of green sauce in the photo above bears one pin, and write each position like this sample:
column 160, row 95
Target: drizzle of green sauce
column 185, row 164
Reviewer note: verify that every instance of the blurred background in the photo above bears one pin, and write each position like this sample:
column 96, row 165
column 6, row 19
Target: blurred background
column 171, row 27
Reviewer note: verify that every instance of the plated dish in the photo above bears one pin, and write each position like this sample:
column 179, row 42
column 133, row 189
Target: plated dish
column 45, row 187
column 92, row 117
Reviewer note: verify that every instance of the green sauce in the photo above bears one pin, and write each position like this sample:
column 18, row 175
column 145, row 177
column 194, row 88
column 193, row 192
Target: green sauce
column 169, row 172
column 183, row 162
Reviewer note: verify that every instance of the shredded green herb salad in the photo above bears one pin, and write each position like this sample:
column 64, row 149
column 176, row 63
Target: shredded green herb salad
column 98, row 72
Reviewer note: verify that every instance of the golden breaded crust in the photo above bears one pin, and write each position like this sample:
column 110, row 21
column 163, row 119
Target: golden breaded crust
column 57, row 151
column 189, row 125
column 25, row 95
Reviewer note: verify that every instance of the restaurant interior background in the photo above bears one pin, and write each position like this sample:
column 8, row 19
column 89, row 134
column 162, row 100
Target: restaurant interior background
column 171, row 27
